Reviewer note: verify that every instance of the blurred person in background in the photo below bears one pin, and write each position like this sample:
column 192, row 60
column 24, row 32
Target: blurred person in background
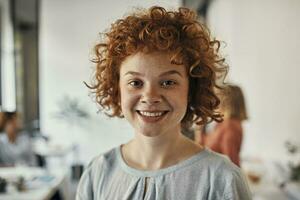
column 226, row 137
column 15, row 145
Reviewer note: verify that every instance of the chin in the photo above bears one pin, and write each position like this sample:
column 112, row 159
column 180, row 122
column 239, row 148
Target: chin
column 149, row 133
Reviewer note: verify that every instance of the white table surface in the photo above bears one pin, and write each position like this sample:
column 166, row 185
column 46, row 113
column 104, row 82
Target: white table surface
column 271, row 191
column 40, row 190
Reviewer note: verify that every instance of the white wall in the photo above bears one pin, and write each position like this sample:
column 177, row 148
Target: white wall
column 68, row 31
column 263, row 52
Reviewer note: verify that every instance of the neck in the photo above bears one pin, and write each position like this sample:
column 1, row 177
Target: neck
column 152, row 153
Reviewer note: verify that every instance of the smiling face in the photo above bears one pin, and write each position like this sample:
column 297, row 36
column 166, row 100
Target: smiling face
column 153, row 93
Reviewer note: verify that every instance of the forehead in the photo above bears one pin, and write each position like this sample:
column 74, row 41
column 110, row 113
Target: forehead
column 150, row 63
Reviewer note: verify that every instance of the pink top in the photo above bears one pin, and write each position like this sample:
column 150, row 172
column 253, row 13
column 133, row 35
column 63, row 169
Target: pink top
column 226, row 138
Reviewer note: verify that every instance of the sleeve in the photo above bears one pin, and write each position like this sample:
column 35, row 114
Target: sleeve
column 236, row 187
column 85, row 187
column 231, row 144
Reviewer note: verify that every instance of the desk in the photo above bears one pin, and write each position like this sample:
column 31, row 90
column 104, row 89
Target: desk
column 41, row 183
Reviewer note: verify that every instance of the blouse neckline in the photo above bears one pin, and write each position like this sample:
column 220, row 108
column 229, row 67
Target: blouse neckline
column 154, row 173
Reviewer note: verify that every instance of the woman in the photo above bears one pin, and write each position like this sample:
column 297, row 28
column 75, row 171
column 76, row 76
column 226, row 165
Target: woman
column 157, row 69
column 226, row 137
column 15, row 146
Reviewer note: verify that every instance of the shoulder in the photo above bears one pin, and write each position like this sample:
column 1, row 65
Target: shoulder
column 104, row 159
column 235, row 183
column 221, row 164
column 232, row 127
column 94, row 173
column 232, row 123
column 102, row 162
column 226, row 179
column 214, row 164
column 225, row 169
column 217, row 163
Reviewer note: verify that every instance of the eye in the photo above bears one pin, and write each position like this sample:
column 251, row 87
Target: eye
column 168, row 83
column 136, row 83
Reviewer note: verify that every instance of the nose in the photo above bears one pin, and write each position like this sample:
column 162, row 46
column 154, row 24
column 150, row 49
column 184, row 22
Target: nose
column 151, row 95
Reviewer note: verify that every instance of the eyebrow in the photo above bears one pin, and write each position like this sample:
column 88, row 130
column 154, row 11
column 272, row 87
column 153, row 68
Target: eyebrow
column 163, row 74
column 170, row 73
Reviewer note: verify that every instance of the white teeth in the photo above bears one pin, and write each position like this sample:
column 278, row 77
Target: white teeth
column 149, row 114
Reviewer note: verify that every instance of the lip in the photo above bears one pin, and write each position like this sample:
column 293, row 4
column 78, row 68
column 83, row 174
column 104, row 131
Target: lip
column 152, row 110
column 151, row 119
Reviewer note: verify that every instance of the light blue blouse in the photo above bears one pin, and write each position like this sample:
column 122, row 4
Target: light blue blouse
column 206, row 175
column 19, row 152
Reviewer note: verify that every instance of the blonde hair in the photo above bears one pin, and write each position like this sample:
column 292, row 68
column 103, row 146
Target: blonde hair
column 233, row 102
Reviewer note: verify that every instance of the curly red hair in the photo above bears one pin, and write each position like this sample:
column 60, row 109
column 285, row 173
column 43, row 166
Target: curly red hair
column 155, row 29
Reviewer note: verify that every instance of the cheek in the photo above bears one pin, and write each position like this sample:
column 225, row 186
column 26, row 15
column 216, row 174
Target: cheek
column 128, row 100
column 181, row 104
column 178, row 102
column 181, row 101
